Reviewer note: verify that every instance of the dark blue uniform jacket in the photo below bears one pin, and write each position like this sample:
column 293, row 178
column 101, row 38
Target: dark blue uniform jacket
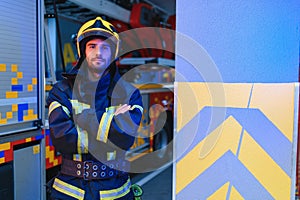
column 83, row 127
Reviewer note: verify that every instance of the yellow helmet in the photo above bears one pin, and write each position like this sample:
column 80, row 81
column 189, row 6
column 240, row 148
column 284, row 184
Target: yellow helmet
column 96, row 28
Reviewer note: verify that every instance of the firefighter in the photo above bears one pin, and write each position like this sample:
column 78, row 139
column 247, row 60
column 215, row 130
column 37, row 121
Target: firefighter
column 93, row 120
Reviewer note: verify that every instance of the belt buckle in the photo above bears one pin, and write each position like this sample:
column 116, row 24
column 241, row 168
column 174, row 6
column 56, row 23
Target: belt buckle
column 87, row 165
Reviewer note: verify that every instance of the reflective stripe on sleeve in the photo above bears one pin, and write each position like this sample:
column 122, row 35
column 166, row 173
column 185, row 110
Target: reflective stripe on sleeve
column 104, row 126
column 111, row 109
column 68, row 189
column 55, row 105
column 116, row 193
column 138, row 107
column 82, row 141
column 106, row 120
column 79, row 106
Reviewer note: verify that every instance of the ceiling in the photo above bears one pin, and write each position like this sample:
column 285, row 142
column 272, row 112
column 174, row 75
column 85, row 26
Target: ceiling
column 167, row 5
column 69, row 9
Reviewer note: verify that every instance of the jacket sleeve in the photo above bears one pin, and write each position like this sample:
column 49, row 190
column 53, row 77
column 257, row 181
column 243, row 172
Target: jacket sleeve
column 121, row 130
column 103, row 127
column 63, row 132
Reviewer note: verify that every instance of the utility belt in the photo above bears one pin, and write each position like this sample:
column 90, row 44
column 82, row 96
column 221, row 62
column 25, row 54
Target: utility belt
column 90, row 170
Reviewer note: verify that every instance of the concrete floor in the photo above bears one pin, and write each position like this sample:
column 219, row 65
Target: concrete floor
column 156, row 185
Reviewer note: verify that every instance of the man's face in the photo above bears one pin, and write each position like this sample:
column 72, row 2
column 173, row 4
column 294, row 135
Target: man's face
column 98, row 55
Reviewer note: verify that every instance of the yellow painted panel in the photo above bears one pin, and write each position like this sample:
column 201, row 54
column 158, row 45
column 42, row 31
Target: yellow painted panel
column 29, row 117
column 29, row 87
column 235, row 195
column 50, row 155
column 14, row 68
column 5, row 146
column 34, row 81
column 223, row 138
column 2, row 67
column 55, row 162
column 36, row 149
column 14, row 107
column 265, row 170
column 10, row 95
column 9, row 115
column 30, row 112
column 28, row 139
column 14, row 81
column 3, row 121
column 2, row 160
column 19, row 74
column 47, row 151
column 187, row 105
column 237, row 95
column 48, row 87
column 220, row 194
column 276, row 101
column 192, row 97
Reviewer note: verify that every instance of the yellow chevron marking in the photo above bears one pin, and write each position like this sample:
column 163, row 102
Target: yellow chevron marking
column 276, row 101
column 220, row 194
column 265, row 170
column 235, row 195
column 191, row 166
column 192, row 97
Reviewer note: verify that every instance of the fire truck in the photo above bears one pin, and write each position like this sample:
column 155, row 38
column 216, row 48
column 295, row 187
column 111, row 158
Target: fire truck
column 38, row 45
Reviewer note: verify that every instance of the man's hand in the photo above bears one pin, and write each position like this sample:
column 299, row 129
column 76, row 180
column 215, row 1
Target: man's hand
column 122, row 109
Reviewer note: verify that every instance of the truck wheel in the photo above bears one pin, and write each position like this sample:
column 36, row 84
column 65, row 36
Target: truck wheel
column 161, row 144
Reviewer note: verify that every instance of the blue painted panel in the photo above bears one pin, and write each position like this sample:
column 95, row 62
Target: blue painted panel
column 18, row 88
column 249, row 41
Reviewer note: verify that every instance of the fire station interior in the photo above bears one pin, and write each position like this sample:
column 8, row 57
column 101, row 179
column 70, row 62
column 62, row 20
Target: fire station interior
column 224, row 126
column 26, row 147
